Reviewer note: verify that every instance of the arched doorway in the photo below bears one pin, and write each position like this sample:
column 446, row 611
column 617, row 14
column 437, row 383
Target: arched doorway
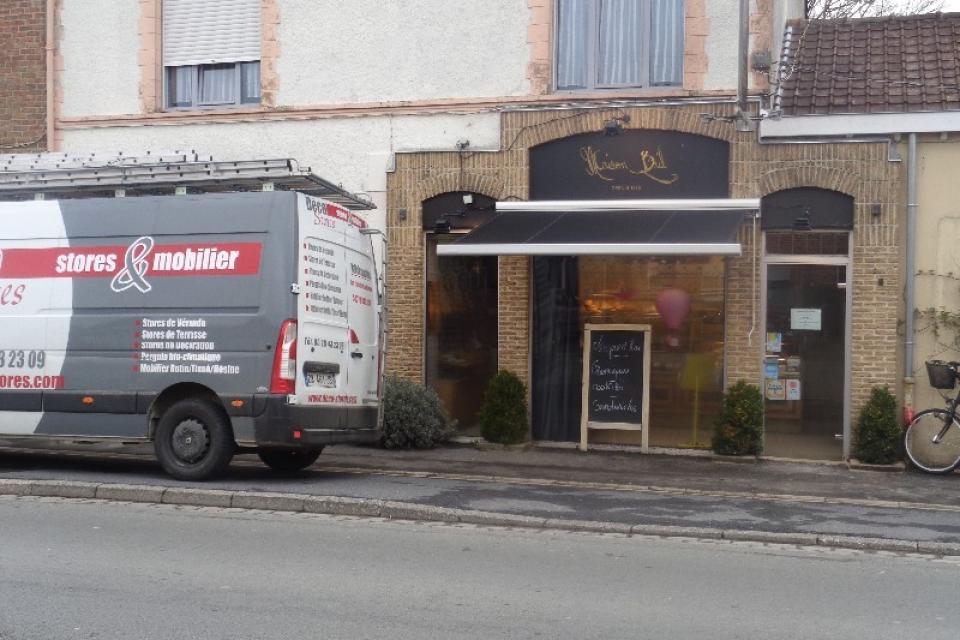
column 460, row 321
column 806, row 364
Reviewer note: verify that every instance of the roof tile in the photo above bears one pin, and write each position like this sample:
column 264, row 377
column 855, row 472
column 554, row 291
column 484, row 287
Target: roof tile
column 872, row 65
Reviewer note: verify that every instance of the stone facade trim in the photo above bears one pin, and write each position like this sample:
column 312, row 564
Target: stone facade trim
column 150, row 57
column 540, row 43
column 490, row 186
column 808, row 176
column 269, row 53
column 696, row 29
column 354, row 109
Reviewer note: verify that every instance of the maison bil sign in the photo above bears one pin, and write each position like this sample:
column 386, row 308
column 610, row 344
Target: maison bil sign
column 633, row 164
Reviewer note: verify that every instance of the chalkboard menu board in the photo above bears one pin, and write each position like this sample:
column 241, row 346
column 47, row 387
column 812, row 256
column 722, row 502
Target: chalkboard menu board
column 616, row 369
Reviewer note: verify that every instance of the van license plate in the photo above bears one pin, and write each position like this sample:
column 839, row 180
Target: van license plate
column 318, row 379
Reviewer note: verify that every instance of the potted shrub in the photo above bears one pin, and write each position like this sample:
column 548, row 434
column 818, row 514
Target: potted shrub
column 738, row 430
column 413, row 416
column 877, row 431
column 503, row 416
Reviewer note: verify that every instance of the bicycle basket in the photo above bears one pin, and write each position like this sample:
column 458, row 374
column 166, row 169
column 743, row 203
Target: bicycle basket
column 941, row 375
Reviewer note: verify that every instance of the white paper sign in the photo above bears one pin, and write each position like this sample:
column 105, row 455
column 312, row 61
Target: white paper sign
column 805, row 319
column 793, row 389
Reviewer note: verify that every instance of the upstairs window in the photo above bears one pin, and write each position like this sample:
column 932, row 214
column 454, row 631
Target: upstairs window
column 609, row 44
column 211, row 53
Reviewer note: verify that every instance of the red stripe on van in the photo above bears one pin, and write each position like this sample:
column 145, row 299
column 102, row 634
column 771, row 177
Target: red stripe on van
column 208, row 259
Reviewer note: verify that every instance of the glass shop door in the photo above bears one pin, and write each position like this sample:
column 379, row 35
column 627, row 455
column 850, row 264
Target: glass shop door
column 804, row 361
column 461, row 330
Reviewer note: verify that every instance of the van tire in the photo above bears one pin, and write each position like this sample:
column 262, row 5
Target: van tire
column 289, row 459
column 193, row 440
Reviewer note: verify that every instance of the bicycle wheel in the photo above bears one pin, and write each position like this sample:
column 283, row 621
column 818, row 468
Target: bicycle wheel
column 932, row 441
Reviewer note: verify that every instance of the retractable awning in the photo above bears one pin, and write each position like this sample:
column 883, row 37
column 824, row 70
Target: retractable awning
column 651, row 227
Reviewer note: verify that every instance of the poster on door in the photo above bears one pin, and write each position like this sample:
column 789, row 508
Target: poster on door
column 792, row 389
column 776, row 390
column 774, row 342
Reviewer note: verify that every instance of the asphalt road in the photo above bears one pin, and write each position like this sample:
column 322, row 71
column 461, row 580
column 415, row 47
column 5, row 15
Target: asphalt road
column 546, row 500
column 73, row 569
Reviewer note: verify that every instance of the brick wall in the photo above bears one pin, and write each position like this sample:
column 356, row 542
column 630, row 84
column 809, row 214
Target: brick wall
column 860, row 170
column 22, row 75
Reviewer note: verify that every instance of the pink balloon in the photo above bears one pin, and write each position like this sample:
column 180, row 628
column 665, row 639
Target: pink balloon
column 673, row 305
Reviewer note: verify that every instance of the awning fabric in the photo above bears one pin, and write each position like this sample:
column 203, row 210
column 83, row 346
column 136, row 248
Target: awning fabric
column 571, row 233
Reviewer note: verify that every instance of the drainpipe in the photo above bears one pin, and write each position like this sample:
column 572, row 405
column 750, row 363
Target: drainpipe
column 743, row 109
column 909, row 271
column 50, row 48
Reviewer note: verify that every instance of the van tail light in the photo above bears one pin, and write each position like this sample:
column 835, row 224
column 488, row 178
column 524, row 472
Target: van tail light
column 354, row 338
column 284, row 378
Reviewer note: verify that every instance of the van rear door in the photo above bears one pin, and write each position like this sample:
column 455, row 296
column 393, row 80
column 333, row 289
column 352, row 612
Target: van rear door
column 334, row 345
column 363, row 370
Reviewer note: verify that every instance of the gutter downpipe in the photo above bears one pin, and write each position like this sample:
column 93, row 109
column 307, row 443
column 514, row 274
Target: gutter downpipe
column 910, row 269
column 745, row 124
column 743, row 119
column 50, row 48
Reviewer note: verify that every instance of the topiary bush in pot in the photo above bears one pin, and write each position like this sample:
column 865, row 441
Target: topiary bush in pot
column 413, row 416
column 738, row 430
column 503, row 416
column 877, row 433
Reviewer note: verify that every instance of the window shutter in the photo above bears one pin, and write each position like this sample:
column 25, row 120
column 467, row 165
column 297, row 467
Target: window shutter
column 210, row 31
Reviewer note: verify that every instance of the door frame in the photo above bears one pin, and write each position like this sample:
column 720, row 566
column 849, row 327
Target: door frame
column 823, row 260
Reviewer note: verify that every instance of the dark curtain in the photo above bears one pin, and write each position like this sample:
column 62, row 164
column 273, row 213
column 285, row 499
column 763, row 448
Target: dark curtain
column 557, row 352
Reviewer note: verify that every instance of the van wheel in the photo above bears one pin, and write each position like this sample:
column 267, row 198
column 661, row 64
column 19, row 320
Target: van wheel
column 193, row 440
column 289, row 459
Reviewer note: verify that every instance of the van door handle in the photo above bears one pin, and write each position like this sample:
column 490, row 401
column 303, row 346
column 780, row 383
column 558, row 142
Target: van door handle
column 356, row 354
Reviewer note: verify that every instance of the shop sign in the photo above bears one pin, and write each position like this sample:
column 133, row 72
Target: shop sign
column 633, row 164
column 616, row 378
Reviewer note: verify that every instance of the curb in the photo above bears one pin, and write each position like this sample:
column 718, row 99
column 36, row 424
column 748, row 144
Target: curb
column 855, row 465
column 362, row 507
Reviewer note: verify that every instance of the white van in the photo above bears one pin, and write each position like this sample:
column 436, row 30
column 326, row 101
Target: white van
column 206, row 324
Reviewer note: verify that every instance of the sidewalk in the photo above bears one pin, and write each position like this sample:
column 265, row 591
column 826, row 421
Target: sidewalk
column 686, row 474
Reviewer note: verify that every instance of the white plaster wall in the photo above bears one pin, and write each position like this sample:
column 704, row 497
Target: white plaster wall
column 333, row 51
column 100, row 47
column 784, row 10
column 938, row 250
column 724, row 16
column 354, row 152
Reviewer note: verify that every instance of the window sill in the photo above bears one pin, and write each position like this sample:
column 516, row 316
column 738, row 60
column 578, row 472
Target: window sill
column 225, row 108
column 641, row 92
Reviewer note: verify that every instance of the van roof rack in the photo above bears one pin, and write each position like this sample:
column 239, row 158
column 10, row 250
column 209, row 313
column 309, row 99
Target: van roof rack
column 40, row 176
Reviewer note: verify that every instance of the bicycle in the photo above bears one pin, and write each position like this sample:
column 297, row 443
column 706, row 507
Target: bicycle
column 932, row 439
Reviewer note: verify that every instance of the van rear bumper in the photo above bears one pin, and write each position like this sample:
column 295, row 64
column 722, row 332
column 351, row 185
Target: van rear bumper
column 317, row 426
